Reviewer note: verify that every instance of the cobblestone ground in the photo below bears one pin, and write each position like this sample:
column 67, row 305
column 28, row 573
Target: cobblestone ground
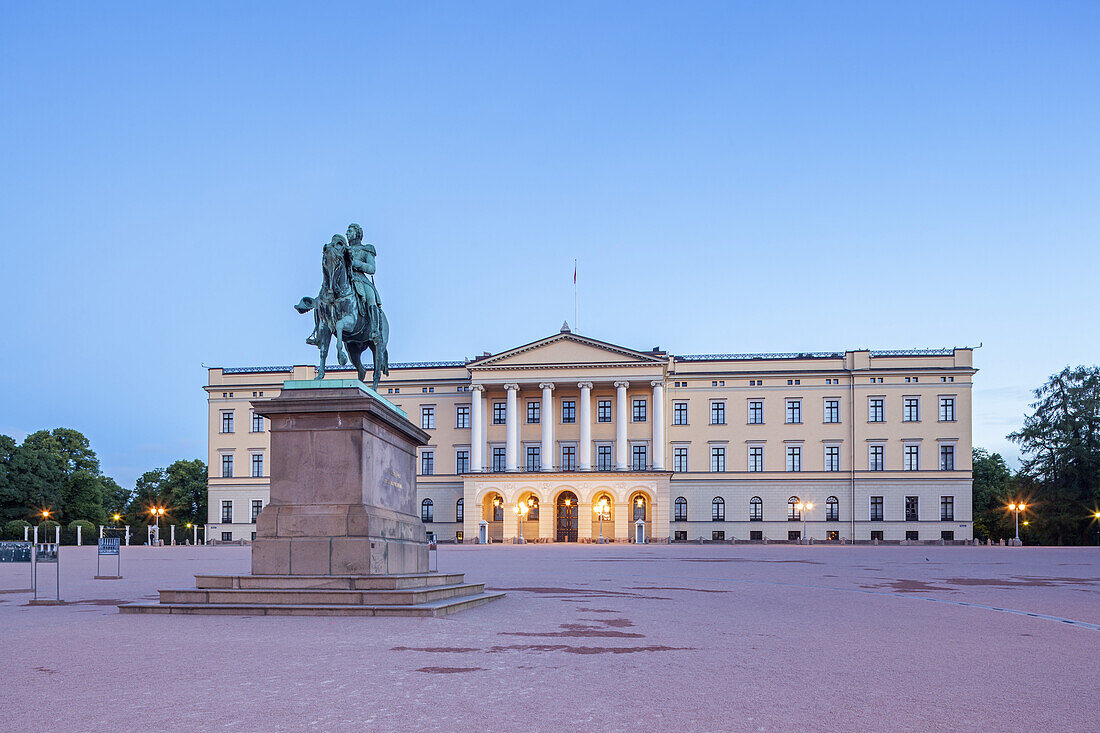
column 616, row 637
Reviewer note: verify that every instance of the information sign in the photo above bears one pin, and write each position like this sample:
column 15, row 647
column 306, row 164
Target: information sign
column 108, row 545
column 15, row 551
column 45, row 552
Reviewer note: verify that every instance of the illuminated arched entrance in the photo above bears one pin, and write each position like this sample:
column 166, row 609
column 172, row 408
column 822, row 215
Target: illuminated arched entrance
column 565, row 517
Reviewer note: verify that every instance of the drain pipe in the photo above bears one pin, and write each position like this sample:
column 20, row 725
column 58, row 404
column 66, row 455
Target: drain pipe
column 850, row 368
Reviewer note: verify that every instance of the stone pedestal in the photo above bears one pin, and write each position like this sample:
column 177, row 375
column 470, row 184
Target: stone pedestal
column 343, row 484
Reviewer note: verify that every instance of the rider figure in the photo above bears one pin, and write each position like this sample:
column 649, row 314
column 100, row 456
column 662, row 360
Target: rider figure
column 362, row 267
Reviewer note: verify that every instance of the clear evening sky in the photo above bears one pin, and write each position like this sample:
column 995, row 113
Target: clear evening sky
column 731, row 177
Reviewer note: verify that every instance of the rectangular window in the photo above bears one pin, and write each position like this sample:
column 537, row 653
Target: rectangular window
column 947, row 409
column 679, row 413
column 227, row 465
column 680, row 459
column 257, row 465
column 680, row 511
column 832, row 411
column 534, row 458
column 257, row 507
column 875, row 409
column 832, row 458
column 534, row 412
column 638, row 457
column 603, row 458
column 875, row 458
column 757, row 535
column 427, row 462
column 947, row 508
column 794, row 411
column 876, row 534
column 912, row 535
column 257, row 423
column 756, row 458
column 462, row 416
column 756, row 510
column 680, row 535
column 462, row 461
column 458, row 535
column 227, row 511
column 718, row 412
column 227, row 421
column 569, row 411
column 500, row 413
column 912, row 509
column 756, row 412
column 832, row 511
column 718, row 458
column 947, row 458
column 947, row 535
column 718, row 510
column 718, row 536
column 876, row 508
column 603, row 411
column 794, row 458
column 911, row 409
column 460, row 510
column 912, row 458
column 832, row 535
column 227, row 536
column 638, row 411
column 569, row 458
column 498, row 458
column 427, row 418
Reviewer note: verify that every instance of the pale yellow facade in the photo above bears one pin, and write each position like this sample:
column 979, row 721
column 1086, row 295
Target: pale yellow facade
column 721, row 446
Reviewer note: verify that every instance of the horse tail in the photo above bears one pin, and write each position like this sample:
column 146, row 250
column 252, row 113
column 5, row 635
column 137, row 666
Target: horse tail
column 305, row 305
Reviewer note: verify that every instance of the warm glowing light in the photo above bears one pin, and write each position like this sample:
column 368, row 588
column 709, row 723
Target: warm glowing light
column 798, row 506
column 496, row 502
column 809, row 507
column 1021, row 507
column 45, row 513
column 570, row 501
column 530, row 501
column 1011, row 507
column 1096, row 515
column 640, row 502
column 188, row 525
column 1026, row 522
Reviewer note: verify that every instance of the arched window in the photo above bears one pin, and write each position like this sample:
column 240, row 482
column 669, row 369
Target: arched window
column 498, row 509
column 718, row 509
column 793, row 514
column 832, row 509
column 533, row 507
column 681, row 510
column 427, row 511
column 756, row 509
column 458, row 510
column 639, row 508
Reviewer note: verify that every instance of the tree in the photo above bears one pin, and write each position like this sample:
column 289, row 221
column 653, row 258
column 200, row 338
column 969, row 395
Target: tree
column 186, row 486
column 1060, row 442
column 992, row 489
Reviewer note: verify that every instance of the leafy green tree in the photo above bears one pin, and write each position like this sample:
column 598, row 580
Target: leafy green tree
column 992, row 489
column 186, row 487
column 38, row 473
column 1060, row 442
column 13, row 530
column 12, row 498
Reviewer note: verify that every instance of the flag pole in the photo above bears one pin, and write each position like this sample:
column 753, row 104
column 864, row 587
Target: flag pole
column 576, row 311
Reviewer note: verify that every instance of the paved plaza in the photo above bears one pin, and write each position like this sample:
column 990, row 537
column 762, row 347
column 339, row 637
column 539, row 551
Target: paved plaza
column 682, row 637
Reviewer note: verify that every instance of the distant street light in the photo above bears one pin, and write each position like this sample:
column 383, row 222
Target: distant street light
column 802, row 508
column 601, row 508
column 521, row 510
column 1017, row 508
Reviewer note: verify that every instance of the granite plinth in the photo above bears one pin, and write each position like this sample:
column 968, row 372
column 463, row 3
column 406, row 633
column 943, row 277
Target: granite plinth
column 343, row 492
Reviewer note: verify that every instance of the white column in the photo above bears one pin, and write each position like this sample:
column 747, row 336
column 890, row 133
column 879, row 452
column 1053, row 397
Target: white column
column 584, row 457
column 658, row 425
column 173, row 531
column 78, row 537
column 477, row 427
column 511, row 425
column 548, row 456
column 621, row 448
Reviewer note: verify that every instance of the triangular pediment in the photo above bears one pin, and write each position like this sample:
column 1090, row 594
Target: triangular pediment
column 567, row 349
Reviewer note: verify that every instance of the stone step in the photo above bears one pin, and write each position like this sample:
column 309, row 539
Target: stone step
column 330, row 582
column 435, row 608
column 319, row 596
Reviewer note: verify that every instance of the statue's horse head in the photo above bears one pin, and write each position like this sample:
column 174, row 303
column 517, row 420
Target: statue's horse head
column 334, row 264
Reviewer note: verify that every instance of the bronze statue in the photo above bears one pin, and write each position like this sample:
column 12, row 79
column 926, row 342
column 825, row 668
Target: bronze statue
column 349, row 307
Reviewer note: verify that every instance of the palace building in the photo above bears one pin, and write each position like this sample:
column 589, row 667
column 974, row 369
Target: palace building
column 569, row 438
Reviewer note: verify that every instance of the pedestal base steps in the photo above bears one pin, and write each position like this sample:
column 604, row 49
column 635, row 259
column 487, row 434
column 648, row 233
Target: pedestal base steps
column 412, row 594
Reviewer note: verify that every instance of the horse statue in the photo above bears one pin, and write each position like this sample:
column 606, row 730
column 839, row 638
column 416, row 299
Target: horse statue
column 338, row 312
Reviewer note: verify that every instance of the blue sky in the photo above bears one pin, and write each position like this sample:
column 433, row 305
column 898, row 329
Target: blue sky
column 731, row 177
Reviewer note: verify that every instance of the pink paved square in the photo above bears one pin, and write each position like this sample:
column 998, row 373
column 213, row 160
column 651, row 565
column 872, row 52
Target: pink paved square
column 614, row 637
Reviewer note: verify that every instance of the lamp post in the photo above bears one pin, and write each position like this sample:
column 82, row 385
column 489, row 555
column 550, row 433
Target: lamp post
column 802, row 509
column 1096, row 516
column 521, row 510
column 157, row 512
column 601, row 508
column 1017, row 508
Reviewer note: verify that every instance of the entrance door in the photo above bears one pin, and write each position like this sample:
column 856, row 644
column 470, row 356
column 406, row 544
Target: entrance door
column 566, row 520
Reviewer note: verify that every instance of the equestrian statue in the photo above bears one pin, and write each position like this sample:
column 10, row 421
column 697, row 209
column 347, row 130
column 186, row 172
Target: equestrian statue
column 348, row 306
